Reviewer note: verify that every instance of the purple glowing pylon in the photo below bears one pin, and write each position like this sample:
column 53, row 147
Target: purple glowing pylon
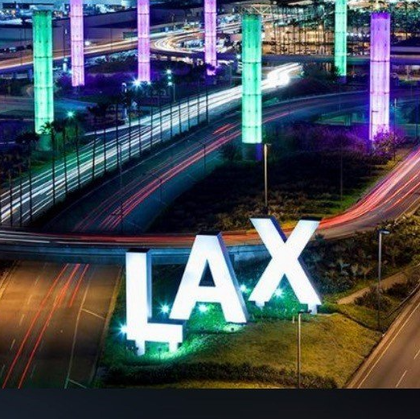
column 380, row 37
column 77, row 43
column 143, row 33
column 210, row 36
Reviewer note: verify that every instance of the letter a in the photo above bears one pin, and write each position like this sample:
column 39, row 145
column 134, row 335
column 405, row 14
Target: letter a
column 209, row 250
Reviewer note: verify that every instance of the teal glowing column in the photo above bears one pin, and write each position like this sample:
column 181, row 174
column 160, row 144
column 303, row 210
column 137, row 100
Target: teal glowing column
column 251, row 86
column 43, row 68
column 340, row 37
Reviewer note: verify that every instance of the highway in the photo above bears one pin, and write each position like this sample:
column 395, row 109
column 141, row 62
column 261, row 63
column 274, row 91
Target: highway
column 54, row 315
column 392, row 197
column 395, row 363
column 24, row 106
column 52, row 323
column 107, row 155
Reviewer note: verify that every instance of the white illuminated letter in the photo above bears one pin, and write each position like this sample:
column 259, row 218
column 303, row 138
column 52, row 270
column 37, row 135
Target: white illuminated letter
column 139, row 306
column 209, row 250
column 285, row 261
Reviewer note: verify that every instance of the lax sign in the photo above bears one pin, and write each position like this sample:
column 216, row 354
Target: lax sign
column 210, row 250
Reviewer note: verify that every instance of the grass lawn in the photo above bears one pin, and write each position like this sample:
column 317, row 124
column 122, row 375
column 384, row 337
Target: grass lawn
column 333, row 346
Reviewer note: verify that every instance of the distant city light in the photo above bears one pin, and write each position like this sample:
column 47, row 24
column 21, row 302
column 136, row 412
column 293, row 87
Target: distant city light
column 123, row 329
column 243, row 288
column 137, row 83
column 70, row 114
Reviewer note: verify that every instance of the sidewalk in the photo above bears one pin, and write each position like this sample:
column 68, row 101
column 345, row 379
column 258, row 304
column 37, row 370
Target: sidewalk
column 399, row 277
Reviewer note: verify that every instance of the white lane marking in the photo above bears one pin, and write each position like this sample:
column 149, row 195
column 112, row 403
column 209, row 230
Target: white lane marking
column 402, row 377
column 21, row 319
column 389, row 344
column 93, row 314
column 13, row 344
column 75, row 383
column 32, row 373
column 417, row 354
column 2, row 370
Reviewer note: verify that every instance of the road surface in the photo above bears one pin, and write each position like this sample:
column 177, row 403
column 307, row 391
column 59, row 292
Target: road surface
column 52, row 323
column 104, row 153
column 44, row 302
column 395, row 363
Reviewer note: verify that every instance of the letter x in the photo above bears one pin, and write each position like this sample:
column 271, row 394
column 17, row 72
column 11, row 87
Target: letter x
column 285, row 261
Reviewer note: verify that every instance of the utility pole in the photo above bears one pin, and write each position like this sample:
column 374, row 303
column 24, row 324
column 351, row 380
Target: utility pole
column 299, row 339
column 378, row 289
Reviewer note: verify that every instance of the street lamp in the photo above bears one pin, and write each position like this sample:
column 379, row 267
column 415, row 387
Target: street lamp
column 159, row 179
column 299, row 343
column 378, row 289
column 266, row 145
column 204, row 152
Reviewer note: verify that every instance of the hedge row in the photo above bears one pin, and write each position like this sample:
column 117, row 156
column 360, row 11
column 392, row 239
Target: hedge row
column 177, row 372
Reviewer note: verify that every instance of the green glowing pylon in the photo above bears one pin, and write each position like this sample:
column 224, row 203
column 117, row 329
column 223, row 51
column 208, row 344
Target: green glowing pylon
column 340, row 42
column 251, row 86
column 43, row 68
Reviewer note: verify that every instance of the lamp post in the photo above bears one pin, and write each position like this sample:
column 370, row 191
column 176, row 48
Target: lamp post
column 159, row 179
column 171, row 84
column 204, row 153
column 378, row 289
column 299, row 335
column 137, row 86
column 266, row 145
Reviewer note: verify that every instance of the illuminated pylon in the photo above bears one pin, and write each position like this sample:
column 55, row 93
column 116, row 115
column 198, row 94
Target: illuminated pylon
column 43, row 68
column 210, row 35
column 143, row 43
column 77, row 43
column 251, row 86
column 340, row 37
column 380, row 37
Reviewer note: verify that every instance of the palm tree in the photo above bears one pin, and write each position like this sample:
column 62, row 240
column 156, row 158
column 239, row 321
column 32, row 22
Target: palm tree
column 103, row 107
column 76, row 118
column 138, row 94
column 49, row 128
column 96, row 113
column 127, row 100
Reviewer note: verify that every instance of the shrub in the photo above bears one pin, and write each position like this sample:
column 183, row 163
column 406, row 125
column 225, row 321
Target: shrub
column 245, row 372
column 370, row 300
